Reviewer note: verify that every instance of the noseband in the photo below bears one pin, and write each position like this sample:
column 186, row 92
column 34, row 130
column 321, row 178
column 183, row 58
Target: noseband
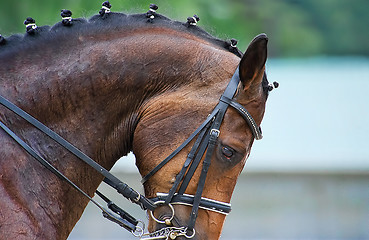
column 207, row 134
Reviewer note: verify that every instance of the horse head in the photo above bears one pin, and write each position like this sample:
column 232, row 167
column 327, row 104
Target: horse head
column 168, row 118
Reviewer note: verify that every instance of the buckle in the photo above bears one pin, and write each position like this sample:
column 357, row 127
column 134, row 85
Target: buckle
column 137, row 199
column 214, row 132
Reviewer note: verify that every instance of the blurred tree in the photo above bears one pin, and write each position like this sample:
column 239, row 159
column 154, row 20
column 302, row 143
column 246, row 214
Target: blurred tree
column 296, row 28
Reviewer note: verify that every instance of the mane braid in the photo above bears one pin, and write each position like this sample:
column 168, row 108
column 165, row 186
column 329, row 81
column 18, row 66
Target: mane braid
column 113, row 21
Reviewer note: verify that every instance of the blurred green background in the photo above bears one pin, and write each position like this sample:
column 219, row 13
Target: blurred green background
column 296, row 28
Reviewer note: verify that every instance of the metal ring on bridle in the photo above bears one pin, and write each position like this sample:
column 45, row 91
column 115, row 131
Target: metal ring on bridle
column 159, row 221
column 193, row 234
column 139, row 232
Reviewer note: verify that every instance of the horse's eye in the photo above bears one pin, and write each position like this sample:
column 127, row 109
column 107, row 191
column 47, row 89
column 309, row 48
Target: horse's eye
column 227, row 151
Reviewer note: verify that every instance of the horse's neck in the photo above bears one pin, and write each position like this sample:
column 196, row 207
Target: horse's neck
column 77, row 100
column 81, row 96
column 90, row 95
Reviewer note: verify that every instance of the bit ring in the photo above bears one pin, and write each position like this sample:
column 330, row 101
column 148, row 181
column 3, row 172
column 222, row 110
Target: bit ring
column 160, row 221
column 191, row 236
column 139, row 230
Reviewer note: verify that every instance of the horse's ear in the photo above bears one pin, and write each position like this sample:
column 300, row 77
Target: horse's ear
column 253, row 61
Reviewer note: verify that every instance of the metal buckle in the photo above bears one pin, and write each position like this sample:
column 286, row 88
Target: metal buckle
column 214, row 132
column 137, row 199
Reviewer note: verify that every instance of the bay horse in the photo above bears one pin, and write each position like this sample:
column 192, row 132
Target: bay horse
column 117, row 83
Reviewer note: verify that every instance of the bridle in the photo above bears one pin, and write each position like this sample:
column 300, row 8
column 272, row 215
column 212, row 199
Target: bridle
column 207, row 134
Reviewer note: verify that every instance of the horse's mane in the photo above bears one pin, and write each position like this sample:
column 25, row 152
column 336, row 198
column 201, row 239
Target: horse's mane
column 51, row 35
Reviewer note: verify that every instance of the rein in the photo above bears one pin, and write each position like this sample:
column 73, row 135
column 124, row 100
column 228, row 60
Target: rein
column 207, row 134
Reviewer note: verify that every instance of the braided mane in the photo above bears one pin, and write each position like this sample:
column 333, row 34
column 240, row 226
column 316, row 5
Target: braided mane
column 112, row 21
column 62, row 32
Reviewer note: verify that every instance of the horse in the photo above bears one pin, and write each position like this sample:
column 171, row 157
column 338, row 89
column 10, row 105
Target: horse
column 117, row 83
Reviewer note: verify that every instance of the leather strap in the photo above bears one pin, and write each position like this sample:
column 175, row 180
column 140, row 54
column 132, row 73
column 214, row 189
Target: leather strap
column 205, row 203
column 255, row 129
column 189, row 159
column 194, row 164
column 184, row 144
column 214, row 134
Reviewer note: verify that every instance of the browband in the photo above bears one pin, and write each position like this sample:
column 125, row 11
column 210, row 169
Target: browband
column 255, row 129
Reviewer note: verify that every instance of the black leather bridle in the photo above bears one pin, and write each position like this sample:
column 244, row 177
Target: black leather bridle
column 203, row 148
column 207, row 135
